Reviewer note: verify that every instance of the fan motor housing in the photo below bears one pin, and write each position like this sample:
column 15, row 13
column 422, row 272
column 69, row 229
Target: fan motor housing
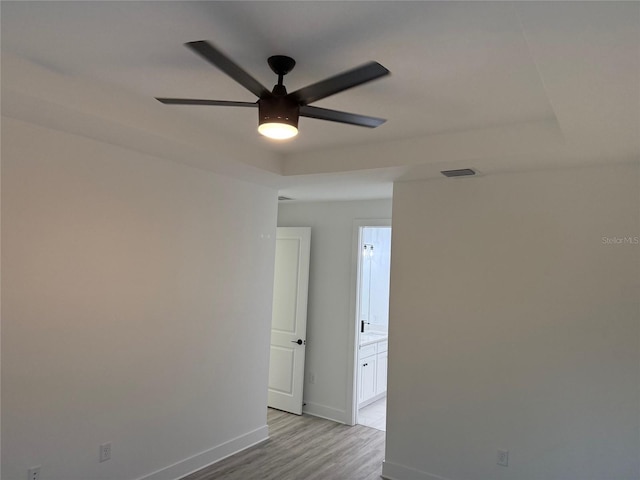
column 278, row 110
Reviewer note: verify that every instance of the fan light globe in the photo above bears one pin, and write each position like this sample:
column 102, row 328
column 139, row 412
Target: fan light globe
column 278, row 131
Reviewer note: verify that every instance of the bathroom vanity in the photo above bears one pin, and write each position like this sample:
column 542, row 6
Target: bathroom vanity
column 372, row 365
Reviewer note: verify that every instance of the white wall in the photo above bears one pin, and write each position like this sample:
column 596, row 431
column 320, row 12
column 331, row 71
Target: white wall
column 136, row 309
column 330, row 318
column 513, row 325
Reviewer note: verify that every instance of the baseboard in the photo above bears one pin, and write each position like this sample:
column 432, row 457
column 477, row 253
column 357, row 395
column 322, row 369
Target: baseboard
column 323, row 411
column 209, row 457
column 393, row 471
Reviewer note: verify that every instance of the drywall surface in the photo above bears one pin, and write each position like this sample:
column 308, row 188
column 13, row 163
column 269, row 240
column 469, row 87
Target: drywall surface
column 515, row 325
column 329, row 319
column 0, row 314
column 136, row 309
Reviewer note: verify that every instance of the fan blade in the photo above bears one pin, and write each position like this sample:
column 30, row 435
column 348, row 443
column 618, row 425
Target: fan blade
column 330, row 86
column 342, row 117
column 228, row 66
column 194, row 101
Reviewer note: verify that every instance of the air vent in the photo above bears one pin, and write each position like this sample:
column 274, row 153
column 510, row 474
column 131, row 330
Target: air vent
column 280, row 197
column 462, row 172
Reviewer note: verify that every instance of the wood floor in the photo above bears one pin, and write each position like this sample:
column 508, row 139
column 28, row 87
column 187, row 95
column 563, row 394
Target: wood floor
column 304, row 448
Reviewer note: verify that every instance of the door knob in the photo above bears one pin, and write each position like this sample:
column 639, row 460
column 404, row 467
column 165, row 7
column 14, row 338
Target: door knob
column 299, row 341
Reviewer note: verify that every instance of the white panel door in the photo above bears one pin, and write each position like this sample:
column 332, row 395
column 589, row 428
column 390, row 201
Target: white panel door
column 289, row 320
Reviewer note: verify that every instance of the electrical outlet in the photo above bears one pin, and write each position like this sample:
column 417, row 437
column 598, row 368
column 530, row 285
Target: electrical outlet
column 34, row 473
column 105, row 452
column 503, row 458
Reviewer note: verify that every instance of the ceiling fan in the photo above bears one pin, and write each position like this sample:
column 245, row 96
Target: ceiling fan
column 278, row 111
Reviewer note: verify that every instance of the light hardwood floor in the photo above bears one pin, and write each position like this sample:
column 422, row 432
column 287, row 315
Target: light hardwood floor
column 304, row 448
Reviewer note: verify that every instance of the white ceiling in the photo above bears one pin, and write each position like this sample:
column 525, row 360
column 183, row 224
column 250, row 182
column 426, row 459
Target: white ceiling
column 498, row 86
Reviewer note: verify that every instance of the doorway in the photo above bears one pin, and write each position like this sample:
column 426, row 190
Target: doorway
column 372, row 314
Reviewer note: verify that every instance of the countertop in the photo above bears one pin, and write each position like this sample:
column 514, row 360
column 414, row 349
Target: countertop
column 368, row 338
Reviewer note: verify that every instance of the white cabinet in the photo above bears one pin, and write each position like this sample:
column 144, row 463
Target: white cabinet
column 381, row 367
column 372, row 374
column 367, row 378
column 381, row 373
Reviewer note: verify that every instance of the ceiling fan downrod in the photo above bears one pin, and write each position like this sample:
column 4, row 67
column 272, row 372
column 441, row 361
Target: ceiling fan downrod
column 280, row 65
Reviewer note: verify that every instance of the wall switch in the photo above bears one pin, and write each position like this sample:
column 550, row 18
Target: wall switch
column 503, row 458
column 34, row 473
column 105, row 452
column 312, row 378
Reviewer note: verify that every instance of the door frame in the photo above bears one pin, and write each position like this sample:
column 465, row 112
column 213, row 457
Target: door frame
column 354, row 312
